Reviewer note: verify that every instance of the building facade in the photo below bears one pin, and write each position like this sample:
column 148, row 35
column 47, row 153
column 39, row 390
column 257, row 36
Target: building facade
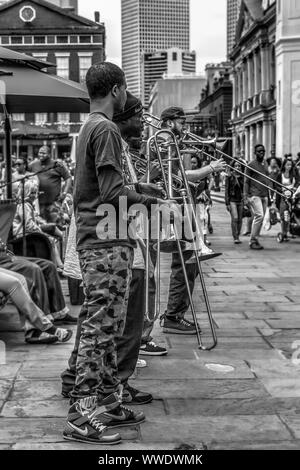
column 68, row 4
column 149, row 26
column 176, row 91
column 254, row 79
column 216, row 99
column 56, row 35
column 233, row 10
column 171, row 62
column 288, row 76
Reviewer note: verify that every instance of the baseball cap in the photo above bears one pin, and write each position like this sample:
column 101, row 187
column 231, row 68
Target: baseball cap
column 173, row 112
column 132, row 107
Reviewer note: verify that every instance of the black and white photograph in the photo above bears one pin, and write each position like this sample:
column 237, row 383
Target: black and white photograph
column 149, row 230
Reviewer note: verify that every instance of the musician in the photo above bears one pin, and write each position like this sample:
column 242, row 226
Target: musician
column 130, row 125
column 106, row 263
column 173, row 320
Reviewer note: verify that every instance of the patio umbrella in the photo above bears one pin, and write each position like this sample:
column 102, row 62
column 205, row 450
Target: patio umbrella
column 9, row 56
column 25, row 89
column 24, row 130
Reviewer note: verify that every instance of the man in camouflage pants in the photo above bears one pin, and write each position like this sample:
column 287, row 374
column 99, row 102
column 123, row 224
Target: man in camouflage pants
column 106, row 258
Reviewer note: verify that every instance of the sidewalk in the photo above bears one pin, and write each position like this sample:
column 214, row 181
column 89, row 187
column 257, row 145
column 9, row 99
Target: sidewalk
column 252, row 403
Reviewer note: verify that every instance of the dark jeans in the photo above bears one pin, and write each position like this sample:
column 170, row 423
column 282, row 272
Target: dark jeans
column 149, row 322
column 178, row 302
column 236, row 211
column 128, row 344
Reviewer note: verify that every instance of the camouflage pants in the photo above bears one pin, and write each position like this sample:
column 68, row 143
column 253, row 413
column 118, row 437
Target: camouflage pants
column 106, row 276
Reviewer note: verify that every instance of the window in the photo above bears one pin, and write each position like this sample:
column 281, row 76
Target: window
column 63, row 122
column 40, row 40
column 174, row 56
column 40, row 56
column 85, row 63
column 40, row 118
column 16, row 40
column 83, row 117
column 18, row 117
column 62, row 66
column 62, row 39
column 85, row 39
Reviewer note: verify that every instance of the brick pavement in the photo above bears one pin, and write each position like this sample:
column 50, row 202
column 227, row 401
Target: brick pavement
column 254, row 405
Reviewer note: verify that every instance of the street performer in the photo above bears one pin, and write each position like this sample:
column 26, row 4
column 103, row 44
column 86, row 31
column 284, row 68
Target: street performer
column 173, row 320
column 106, row 262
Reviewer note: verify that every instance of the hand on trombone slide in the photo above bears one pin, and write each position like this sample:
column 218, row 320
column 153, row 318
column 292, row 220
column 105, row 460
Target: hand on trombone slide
column 152, row 190
column 218, row 165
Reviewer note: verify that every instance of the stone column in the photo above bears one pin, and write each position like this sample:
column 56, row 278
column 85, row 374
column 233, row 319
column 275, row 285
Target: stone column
column 247, row 144
column 245, row 86
column 265, row 66
column 259, row 137
column 252, row 140
column 250, row 78
column 234, row 94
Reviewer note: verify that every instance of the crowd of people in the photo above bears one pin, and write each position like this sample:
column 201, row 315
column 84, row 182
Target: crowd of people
column 251, row 190
column 114, row 327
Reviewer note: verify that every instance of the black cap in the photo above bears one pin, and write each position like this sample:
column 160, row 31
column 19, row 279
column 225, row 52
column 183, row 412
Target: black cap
column 132, row 107
column 173, row 112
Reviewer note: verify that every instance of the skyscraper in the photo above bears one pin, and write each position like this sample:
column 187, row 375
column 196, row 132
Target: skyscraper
column 148, row 26
column 233, row 10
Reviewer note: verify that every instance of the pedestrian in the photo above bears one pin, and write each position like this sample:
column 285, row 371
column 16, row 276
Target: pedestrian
column 234, row 190
column 52, row 191
column 257, row 195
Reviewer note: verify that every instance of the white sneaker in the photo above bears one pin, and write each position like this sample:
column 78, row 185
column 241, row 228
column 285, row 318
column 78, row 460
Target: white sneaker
column 141, row 363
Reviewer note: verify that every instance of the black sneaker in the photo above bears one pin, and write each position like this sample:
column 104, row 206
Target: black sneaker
column 83, row 426
column 112, row 414
column 152, row 349
column 256, row 246
column 41, row 337
column 67, row 320
column 135, row 397
column 180, row 326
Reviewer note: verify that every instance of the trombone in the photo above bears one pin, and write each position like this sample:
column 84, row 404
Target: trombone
column 187, row 199
column 192, row 140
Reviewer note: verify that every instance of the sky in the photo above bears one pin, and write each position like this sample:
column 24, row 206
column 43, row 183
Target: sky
column 208, row 28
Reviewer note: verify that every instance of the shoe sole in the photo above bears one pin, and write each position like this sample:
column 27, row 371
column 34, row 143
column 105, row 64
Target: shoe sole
column 146, row 353
column 178, row 332
column 125, row 424
column 43, row 341
column 86, row 441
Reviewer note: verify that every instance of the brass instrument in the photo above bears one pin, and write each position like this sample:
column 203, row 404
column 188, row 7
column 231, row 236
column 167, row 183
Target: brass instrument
column 174, row 155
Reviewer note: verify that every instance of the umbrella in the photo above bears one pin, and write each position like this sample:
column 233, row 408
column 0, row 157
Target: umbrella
column 25, row 89
column 24, row 130
column 9, row 56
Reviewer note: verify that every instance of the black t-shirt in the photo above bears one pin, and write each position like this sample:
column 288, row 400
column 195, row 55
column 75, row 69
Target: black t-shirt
column 50, row 180
column 99, row 180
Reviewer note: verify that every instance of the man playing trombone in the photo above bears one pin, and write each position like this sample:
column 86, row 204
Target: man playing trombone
column 173, row 321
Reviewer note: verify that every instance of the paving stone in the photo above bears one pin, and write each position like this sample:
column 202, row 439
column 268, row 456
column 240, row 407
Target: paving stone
column 293, row 423
column 221, row 407
column 285, row 324
column 282, row 387
column 169, row 368
column 9, row 371
column 277, row 445
column 14, row 430
column 221, row 428
column 274, row 368
column 128, row 446
column 5, row 387
column 35, row 390
column 198, row 389
column 37, row 369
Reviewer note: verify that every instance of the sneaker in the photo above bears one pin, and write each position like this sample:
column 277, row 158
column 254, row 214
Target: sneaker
column 140, row 364
column 180, row 326
column 237, row 241
column 63, row 335
column 83, row 426
column 151, row 349
column 112, row 414
column 246, row 234
column 42, row 337
column 256, row 246
column 135, row 397
column 67, row 320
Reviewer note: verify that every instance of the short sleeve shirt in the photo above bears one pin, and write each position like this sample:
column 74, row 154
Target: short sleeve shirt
column 50, row 180
column 99, row 145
